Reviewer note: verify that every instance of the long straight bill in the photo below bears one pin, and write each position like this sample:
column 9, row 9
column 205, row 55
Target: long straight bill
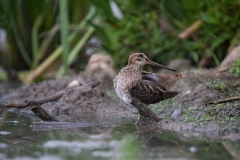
column 159, row 65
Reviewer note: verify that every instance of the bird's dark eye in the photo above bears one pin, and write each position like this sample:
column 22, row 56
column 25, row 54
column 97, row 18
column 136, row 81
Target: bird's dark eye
column 140, row 55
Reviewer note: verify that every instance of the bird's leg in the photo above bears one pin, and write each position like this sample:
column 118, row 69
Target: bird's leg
column 146, row 115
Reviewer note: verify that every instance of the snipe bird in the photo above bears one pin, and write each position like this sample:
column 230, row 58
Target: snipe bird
column 133, row 82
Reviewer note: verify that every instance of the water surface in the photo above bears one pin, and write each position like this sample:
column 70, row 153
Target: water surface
column 23, row 139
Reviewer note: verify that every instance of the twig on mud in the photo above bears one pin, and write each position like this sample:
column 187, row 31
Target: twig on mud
column 223, row 100
column 35, row 107
column 59, row 94
column 39, row 111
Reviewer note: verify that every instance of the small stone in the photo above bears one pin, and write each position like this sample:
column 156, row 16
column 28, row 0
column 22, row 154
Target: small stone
column 193, row 149
column 176, row 113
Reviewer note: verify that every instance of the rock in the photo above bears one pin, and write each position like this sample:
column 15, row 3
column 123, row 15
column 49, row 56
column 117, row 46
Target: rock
column 176, row 113
column 230, row 59
column 100, row 67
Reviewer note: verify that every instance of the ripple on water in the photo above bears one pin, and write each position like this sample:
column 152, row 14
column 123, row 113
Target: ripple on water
column 12, row 121
column 4, row 133
column 104, row 154
column 3, row 145
column 75, row 144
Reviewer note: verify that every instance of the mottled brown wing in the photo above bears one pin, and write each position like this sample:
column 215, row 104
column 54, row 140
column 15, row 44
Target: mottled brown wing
column 150, row 92
column 165, row 80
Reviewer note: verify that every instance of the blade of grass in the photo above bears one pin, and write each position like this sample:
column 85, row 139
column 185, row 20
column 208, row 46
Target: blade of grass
column 64, row 33
column 47, row 41
column 35, row 44
column 80, row 44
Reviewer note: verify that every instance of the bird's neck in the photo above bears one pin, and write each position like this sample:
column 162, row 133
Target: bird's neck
column 134, row 66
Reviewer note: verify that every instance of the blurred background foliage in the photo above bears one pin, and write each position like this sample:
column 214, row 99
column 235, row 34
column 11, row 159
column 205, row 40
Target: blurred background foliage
column 203, row 31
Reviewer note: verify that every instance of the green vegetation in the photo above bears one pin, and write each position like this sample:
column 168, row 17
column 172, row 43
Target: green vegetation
column 221, row 86
column 33, row 34
column 221, row 113
column 235, row 83
column 41, row 35
column 162, row 107
column 155, row 27
column 187, row 117
column 235, row 70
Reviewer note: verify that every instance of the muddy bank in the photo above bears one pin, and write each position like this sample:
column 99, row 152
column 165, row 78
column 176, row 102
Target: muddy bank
column 195, row 115
column 80, row 104
column 198, row 101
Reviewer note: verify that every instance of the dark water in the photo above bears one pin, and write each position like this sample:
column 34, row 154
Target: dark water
column 21, row 139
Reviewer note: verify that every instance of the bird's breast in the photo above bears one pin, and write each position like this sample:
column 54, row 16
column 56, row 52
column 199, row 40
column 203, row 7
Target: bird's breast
column 123, row 83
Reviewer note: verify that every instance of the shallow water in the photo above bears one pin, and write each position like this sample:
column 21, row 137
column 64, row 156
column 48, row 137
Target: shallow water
column 25, row 138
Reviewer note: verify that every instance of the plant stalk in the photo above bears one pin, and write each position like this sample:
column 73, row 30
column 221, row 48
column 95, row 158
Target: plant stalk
column 64, row 33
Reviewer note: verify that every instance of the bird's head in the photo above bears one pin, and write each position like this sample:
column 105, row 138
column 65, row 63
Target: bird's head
column 140, row 59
